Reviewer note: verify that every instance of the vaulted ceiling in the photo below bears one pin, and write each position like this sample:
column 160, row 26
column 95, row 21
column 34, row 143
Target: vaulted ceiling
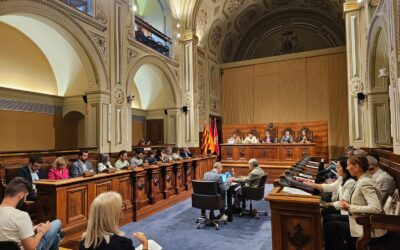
column 234, row 30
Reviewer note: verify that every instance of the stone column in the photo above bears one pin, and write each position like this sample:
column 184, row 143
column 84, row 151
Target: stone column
column 358, row 110
column 188, row 64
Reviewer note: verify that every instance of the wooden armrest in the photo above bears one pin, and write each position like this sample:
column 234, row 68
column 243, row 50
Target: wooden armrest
column 382, row 221
column 364, row 220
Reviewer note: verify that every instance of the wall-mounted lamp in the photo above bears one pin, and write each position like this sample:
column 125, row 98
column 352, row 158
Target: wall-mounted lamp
column 383, row 73
column 178, row 35
column 134, row 8
column 130, row 98
column 178, row 25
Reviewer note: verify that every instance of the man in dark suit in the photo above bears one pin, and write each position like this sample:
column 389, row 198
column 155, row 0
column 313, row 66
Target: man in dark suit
column 31, row 173
column 214, row 175
column 82, row 165
column 185, row 152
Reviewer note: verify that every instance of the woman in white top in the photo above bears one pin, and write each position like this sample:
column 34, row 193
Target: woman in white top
column 104, row 163
column 334, row 217
column 340, row 189
column 122, row 161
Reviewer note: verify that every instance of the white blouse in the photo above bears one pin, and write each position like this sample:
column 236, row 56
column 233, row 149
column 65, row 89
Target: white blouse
column 339, row 192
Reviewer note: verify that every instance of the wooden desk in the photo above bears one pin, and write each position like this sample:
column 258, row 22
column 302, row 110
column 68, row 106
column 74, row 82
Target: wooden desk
column 295, row 220
column 144, row 191
column 271, row 153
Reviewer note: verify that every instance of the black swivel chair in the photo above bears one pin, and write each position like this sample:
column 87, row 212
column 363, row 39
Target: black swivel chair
column 9, row 245
column 207, row 195
column 256, row 194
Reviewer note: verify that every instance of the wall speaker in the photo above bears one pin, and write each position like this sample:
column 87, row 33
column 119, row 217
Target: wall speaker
column 185, row 109
column 84, row 97
column 360, row 96
column 165, row 111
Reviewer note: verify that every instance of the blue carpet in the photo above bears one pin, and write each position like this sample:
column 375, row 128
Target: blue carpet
column 175, row 229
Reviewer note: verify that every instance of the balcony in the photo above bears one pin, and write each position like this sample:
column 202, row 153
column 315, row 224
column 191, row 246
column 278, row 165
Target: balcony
column 151, row 37
column 85, row 6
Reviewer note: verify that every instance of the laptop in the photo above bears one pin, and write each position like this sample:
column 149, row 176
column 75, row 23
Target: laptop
column 225, row 176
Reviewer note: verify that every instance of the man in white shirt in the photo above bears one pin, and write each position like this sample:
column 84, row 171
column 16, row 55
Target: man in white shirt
column 122, row 161
column 250, row 139
column 384, row 180
column 16, row 225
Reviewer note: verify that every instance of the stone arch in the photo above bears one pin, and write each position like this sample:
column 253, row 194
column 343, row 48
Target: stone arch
column 55, row 14
column 157, row 62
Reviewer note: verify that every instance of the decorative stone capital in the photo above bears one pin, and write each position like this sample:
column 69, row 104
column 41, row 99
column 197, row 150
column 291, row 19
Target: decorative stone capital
column 356, row 85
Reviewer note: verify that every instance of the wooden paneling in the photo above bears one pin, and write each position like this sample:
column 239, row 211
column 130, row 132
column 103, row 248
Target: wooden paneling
column 313, row 88
column 76, row 204
column 319, row 129
column 155, row 131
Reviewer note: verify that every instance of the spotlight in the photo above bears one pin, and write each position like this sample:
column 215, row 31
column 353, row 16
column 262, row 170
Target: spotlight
column 360, row 96
column 130, row 98
column 84, row 97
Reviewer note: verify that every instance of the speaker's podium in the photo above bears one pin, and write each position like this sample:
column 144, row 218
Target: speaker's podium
column 295, row 220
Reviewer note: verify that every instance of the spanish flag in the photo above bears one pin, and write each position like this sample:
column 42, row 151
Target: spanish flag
column 204, row 139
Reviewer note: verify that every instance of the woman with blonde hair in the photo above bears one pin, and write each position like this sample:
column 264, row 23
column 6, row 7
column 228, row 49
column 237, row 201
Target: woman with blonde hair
column 102, row 232
column 59, row 170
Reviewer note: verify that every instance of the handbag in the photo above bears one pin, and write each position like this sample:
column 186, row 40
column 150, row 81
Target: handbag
column 392, row 205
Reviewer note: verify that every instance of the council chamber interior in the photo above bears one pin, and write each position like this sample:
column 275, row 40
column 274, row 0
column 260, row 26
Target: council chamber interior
column 155, row 96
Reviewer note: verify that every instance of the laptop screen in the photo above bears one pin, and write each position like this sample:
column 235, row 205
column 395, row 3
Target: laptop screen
column 225, row 176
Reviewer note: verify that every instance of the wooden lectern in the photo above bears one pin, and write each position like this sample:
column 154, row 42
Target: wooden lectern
column 296, row 221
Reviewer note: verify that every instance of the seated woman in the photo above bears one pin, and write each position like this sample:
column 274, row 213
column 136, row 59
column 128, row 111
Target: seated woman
column 366, row 197
column 303, row 137
column 287, row 138
column 250, row 139
column 104, row 163
column 122, row 161
column 236, row 138
column 102, row 230
column 267, row 138
column 142, row 142
column 175, row 154
column 59, row 170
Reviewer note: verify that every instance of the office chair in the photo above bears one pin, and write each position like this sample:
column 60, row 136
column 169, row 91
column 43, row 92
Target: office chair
column 206, row 195
column 256, row 193
column 9, row 245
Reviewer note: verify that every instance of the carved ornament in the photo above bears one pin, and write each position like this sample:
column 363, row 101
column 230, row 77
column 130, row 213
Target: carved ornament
column 356, row 85
column 101, row 45
column 131, row 55
column 119, row 96
column 298, row 239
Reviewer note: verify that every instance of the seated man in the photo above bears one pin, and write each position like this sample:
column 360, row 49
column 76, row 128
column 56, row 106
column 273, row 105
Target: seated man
column 82, row 165
column 16, row 225
column 137, row 160
column 252, row 180
column 236, row 138
column 250, row 139
column 267, row 138
column 31, row 173
column 122, row 161
column 287, row 138
column 185, row 152
column 169, row 154
column 384, row 180
column 214, row 175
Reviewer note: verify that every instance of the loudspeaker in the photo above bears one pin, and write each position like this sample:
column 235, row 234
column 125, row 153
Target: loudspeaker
column 185, row 109
column 84, row 97
column 165, row 112
column 360, row 96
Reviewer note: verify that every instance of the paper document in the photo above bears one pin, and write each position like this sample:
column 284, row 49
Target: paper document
column 152, row 246
column 290, row 190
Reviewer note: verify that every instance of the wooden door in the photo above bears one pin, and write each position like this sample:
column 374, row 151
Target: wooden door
column 155, row 131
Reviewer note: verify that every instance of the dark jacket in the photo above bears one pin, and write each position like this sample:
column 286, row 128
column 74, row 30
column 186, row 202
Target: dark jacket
column 25, row 173
column 116, row 243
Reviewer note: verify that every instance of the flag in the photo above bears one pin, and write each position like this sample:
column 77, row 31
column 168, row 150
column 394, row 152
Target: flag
column 216, row 143
column 204, row 140
column 211, row 145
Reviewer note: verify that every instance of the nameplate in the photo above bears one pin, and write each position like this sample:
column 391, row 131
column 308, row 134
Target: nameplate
column 130, row 167
column 111, row 170
column 88, row 174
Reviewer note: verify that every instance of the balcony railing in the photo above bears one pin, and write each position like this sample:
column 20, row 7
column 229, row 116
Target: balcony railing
column 152, row 37
column 86, row 6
